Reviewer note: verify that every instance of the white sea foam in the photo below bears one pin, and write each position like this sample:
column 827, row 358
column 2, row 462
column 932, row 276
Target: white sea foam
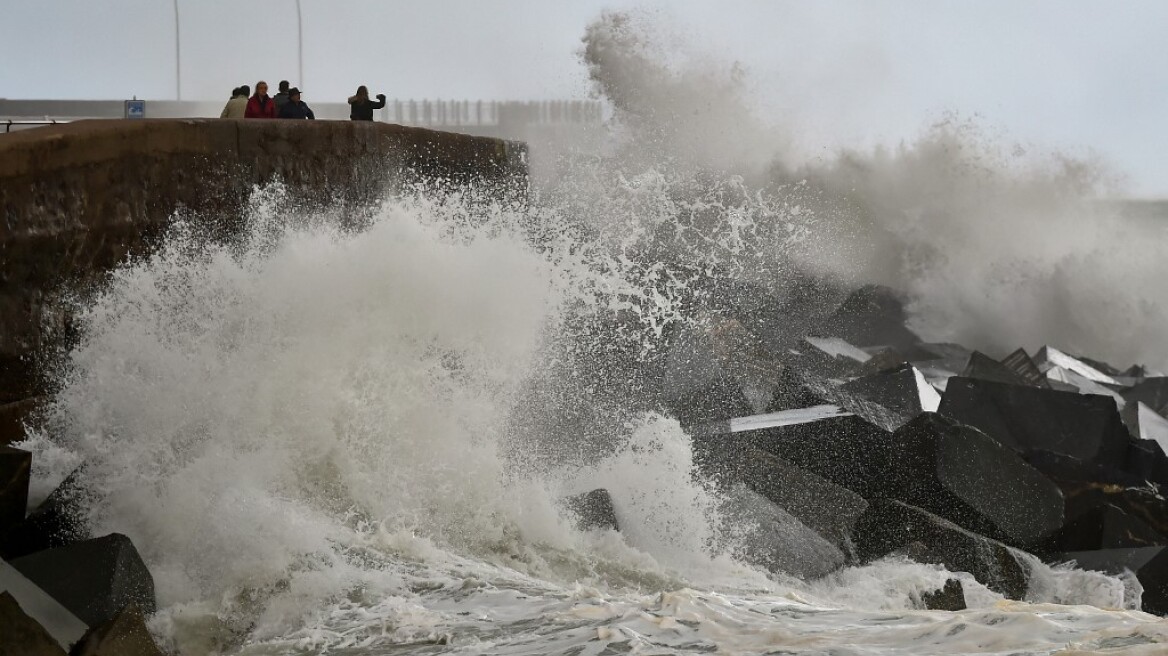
column 328, row 441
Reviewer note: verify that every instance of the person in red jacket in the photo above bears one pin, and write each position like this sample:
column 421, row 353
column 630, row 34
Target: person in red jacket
column 260, row 105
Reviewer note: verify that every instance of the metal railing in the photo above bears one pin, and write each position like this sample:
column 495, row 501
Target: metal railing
column 454, row 113
column 441, row 114
column 22, row 123
column 420, row 112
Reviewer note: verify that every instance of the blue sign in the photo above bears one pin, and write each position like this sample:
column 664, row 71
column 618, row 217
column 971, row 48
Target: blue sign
column 135, row 109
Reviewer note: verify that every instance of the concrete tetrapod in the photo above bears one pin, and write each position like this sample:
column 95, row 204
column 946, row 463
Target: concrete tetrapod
column 592, row 510
column 21, row 635
column 15, row 466
column 959, row 473
column 828, row 509
column 1023, row 418
column 94, row 579
column 1149, row 564
column 890, row 526
column 125, row 634
column 55, row 523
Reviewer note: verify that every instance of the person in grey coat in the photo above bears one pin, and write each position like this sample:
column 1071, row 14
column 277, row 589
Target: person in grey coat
column 237, row 106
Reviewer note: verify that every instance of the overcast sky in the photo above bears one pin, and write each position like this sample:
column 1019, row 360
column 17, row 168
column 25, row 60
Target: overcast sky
column 1071, row 74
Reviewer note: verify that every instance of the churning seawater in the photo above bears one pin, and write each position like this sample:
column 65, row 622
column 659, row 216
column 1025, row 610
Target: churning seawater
column 353, row 441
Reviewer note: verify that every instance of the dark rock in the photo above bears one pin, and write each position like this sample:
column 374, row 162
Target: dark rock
column 889, row 526
column 961, row 474
column 1149, row 564
column 15, row 466
column 1087, row 427
column 983, row 367
column 864, row 408
column 828, row 509
column 902, row 390
column 720, row 400
column 1145, row 423
column 55, row 523
column 94, row 579
column 800, row 460
column 1152, row 392
column 1146, row 460
column 13, row 417
column 57, row 620
column 874, row 315
column 125, row 634
column 951, row 597
column 1024, row 367
column 843, row 449
column 769, row 537
column 947, row 356
column 1103, row 527
column 1069, row 472
column 1087, row 486
column 882, row 360
column 792, row 393
column 1134, row 371
column 593, row 510
column 21, row 635
column 717, row 373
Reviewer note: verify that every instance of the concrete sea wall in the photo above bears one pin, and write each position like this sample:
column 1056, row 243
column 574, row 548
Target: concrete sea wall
column 76, row 199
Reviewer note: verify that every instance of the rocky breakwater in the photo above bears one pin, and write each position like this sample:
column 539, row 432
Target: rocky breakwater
column 871, row 443
column 77, row 199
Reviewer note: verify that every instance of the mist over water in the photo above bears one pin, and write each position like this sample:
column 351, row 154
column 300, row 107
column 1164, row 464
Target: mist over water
column 998, row 244
column 335, row 439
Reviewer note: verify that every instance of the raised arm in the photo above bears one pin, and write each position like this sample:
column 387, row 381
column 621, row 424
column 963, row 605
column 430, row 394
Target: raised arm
column 379, row 103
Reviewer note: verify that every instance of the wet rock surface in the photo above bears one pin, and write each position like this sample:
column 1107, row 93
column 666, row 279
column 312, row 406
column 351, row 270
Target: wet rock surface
column 889, row 527
column 1024, row 418
column 959, row 473
column 592, row 510
column 56, row 522
column 951, row 597
column 94, row 578
column 15, row 469
column 124, row 634
column 21, row 635
column 1149, row 564
column 829, row 509
column 1024, row 459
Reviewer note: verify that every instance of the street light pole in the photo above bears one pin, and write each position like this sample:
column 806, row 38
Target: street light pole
column 299, row 40
column 177, row 57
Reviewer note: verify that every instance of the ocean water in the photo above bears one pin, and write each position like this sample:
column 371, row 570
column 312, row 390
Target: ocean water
column 328, row 440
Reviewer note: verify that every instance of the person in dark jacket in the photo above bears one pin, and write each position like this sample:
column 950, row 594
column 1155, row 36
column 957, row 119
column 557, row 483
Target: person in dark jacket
column 361, row 107
column 260, row 105
column 281, row 96
column 295, row 107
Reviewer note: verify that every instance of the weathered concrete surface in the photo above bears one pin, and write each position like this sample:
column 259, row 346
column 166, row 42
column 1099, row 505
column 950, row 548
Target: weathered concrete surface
column 75, row 199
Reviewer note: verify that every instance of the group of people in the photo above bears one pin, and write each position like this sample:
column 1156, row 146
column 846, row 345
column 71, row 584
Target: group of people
column 288, row 104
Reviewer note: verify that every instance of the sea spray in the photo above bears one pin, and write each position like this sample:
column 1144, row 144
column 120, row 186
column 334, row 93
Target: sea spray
column 355, row 439
column 999, row 244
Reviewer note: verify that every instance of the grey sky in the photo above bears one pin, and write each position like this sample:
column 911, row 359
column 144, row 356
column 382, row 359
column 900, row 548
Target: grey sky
column 1071, row 74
